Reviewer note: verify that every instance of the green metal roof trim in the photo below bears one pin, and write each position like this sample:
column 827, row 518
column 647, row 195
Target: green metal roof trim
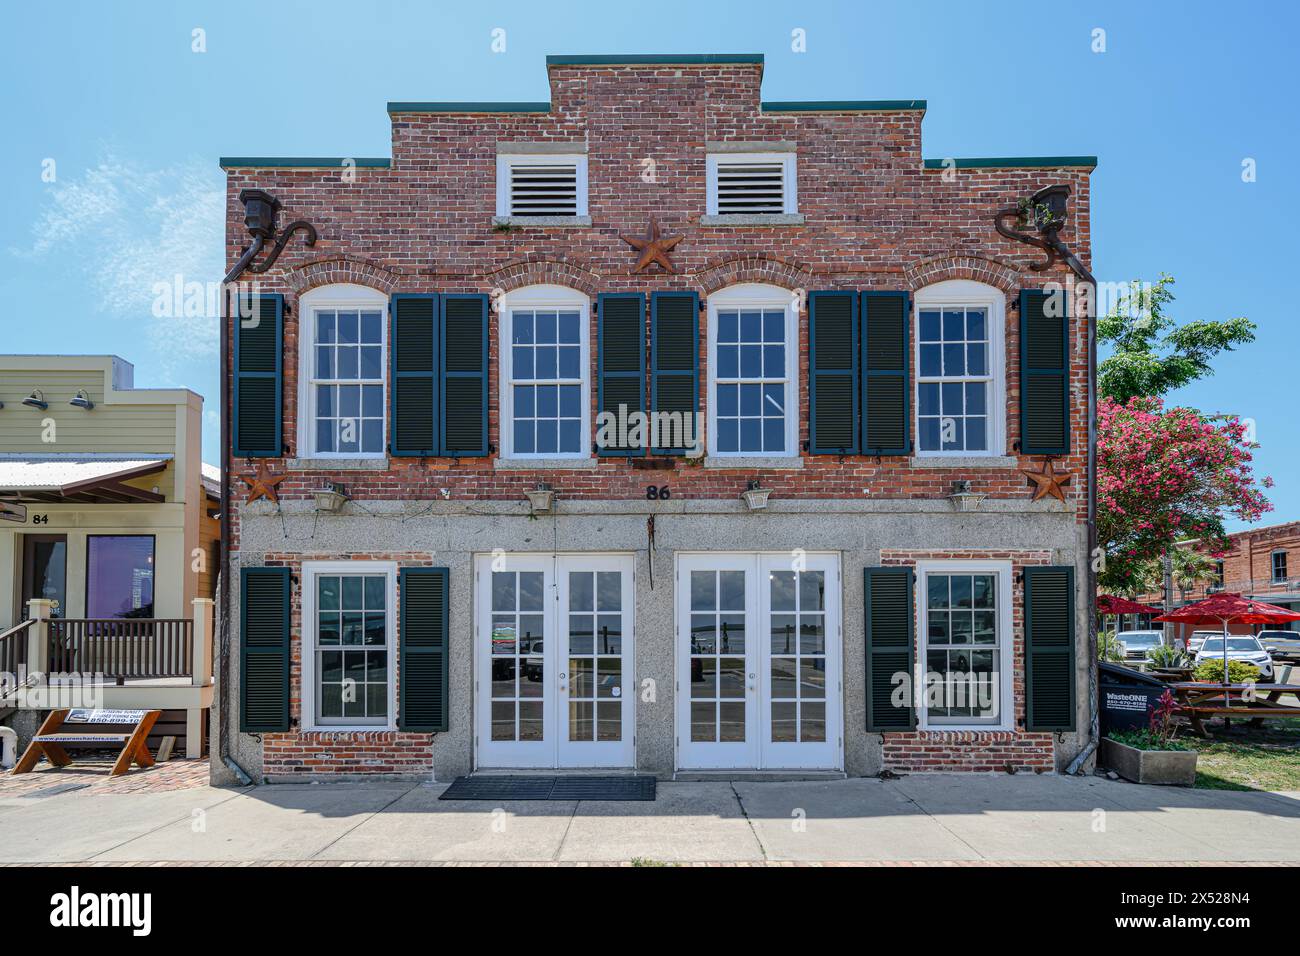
column 304, row 162
column 650, row 59
column 841, row 106
column 1014, row 162
column 400, row 107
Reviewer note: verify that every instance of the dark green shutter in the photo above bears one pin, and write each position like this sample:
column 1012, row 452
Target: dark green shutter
column 464, row 394
column 263, row 650
column 620, row 361
column 259, row 377
column 1049, row 648
column 675, row 362
column 833, row 378
column 423, row 660
column 885, row 346
column 415, row 419
column 890, row 638
column 1044, row 373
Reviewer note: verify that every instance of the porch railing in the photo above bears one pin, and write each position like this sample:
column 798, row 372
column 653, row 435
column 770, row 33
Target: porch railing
column 122, row 648
column 13, row 655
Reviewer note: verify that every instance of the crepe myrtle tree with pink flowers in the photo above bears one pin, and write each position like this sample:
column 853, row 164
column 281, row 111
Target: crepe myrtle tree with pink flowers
column 1165, row 474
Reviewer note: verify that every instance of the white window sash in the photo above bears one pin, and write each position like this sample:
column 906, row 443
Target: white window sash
column 965, row 294
column 1005, row 645
column 752, row 297
column 310, row 689
column 343, row 298
column 543, row 299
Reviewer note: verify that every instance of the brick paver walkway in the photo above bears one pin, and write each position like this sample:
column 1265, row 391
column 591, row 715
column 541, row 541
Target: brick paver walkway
column 90, row 775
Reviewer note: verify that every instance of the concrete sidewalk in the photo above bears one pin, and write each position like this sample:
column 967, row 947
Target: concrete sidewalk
column 918, row 818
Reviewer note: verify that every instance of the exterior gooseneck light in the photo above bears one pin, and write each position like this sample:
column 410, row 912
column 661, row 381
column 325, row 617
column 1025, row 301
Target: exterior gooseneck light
column 81, row 400
column 260, row 211
column 36, row 400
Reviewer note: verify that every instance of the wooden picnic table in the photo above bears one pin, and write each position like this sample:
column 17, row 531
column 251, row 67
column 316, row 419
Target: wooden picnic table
column 1197, row 700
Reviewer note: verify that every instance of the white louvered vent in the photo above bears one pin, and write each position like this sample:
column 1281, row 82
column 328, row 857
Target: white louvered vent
column 747, row 187
column 550, row 190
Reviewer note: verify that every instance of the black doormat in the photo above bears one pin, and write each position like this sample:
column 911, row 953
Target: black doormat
column 550, row 788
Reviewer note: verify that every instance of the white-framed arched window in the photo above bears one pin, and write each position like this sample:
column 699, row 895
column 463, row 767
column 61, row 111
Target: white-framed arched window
column 545, row 376
column 342, row 372
column 753, row 383
column 960, row 363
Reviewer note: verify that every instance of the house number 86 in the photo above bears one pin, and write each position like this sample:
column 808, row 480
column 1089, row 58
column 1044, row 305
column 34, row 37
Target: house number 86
column 660, row 493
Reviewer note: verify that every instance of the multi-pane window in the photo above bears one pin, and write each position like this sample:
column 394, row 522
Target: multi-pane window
column 595, row 655
column 1279, row 566
column 751, row 382
column 546, row 382
column 717, row 656
column 347, row 381
column 518, row 658
column 798, row 657
column 962, row 649
column 352, row 650
column 954, row 379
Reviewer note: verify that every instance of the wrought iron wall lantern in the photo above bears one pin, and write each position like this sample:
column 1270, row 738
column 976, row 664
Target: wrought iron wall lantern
column 260, row 212
column 963, row 499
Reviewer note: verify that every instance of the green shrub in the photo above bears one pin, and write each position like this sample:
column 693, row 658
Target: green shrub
column 1166, row 655
column 1108, row 648
column 1146, row 740
column 1239, row 672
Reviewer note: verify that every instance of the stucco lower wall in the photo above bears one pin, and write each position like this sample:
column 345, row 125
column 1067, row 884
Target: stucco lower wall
column 859, row 531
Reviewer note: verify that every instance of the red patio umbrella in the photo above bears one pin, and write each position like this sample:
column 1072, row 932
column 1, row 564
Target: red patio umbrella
column 1224, row 608
column 1109, row 604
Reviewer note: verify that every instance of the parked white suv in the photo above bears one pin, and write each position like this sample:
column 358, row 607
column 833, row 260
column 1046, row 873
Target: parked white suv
column 1198, row 638
column 1241, row 647
column 1139, row 644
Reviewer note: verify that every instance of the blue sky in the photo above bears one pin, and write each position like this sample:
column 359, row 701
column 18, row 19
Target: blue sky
column 134, row 121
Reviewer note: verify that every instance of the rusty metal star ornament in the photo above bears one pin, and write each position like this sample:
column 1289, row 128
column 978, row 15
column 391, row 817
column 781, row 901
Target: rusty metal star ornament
column 653, row 248
column 262, row 484
column 1047, row 482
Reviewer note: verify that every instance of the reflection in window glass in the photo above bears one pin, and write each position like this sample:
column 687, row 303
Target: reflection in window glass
column 119, row 575
column 963, row 653
column 546, row 377
column 347, row 379
column 352, row 652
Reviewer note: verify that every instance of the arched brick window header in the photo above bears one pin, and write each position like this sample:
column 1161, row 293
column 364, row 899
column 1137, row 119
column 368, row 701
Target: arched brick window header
column 942, row 268
column 338, row 271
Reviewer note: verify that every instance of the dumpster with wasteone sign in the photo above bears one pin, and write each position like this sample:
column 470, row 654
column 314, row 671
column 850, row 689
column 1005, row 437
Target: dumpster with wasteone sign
column 1127, row 697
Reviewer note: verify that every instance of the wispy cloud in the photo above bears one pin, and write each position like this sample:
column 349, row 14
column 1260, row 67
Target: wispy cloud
column 130, row 228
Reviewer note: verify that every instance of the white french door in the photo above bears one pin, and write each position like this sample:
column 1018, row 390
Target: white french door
column 758, row 661
column 553, row 657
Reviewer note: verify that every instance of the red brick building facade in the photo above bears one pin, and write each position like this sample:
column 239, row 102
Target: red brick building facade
column 860, row 213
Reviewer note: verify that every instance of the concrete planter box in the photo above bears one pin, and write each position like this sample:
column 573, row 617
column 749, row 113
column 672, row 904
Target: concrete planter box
column 1175, row 768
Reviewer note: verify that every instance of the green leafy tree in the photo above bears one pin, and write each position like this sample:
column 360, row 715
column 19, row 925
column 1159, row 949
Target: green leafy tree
column 1153, row 354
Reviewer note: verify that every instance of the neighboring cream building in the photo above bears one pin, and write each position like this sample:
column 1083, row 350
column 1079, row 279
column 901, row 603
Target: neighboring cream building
column 108, row 535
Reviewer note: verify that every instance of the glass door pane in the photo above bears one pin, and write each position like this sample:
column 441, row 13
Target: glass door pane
column 717, row 655
column 596, row 700
column 518, row 663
